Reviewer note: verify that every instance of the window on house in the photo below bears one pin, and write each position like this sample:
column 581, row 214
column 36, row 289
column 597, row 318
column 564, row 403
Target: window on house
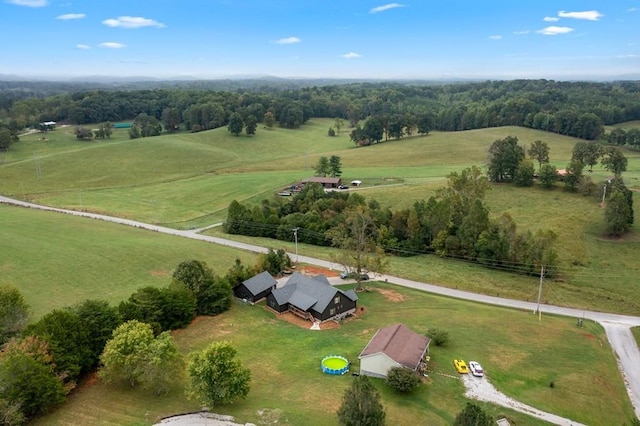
column 332, row 311
column 336, row 300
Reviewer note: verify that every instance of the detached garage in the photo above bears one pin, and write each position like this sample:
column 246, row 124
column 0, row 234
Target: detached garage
column 394, row 346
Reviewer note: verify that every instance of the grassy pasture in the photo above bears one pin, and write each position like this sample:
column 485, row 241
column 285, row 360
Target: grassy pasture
column 58, row 260
column 170, row 179
column 188, row 180
column 636, row 334
column 521, row 356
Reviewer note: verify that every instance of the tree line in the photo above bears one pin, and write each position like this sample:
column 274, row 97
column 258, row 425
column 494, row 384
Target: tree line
column 454, row 223
column 41, row 362
column 508, row 163
column 577, row 109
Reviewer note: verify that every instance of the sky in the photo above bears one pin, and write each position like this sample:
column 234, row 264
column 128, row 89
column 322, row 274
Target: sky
column 413, row 39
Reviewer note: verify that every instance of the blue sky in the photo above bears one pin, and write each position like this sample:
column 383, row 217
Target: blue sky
column 570, row 39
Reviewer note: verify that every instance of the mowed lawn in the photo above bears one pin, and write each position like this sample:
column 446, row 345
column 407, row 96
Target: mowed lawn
column 522, row 357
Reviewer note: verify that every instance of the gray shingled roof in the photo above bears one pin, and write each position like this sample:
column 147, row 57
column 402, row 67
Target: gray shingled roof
column 305, row 292
column 399, row 343
column 259, row 283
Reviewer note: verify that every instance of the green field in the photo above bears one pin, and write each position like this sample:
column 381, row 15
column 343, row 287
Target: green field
column 520, row 354
column 58, row 260
column 188, row 180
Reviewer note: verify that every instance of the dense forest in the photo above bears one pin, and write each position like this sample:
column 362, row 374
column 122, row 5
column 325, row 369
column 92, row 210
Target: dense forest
column 577, row 109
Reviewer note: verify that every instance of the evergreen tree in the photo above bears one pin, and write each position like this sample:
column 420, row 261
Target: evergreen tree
column 361, row 405
column 472, row 415
column 335, row 165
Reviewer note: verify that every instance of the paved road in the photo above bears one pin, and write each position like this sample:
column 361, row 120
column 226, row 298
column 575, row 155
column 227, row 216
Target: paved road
column 616, row 326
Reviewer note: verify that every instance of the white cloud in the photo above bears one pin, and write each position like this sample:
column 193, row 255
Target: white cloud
column 82, row 46
column 589, row 15
column 550, row 19
column 69, row 16
column 521, row 32
column 112, row 45
column 388, row 6
column 29, row 3
column 633, row 9
column 132, row 22
column 553, row 30
column 288, row 40
column 495, row 37
column 351, row 55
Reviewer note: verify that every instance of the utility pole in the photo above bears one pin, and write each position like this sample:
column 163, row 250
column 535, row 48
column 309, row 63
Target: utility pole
column 540, row 293
column 295, row 236
column 604, row 193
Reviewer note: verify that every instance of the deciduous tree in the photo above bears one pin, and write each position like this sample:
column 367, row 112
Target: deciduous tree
column 614, row 161
column 236, row 124
column 361, row 405
column 134, row 355
column 574, row 174
column 355, row 236
column 28, row 386
column 269, row 120
column 539, row 151
column 524, row 173
column 548, row 175
column 171, row 119
column 213, row 295
column 250, row 125
column 68, row 341
column 14, row 312
column 617, row 214
column 216, row 376
column 504, row 157
column 99, row 319
column 587, row 153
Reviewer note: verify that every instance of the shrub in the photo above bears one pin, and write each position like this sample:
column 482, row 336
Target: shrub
column 402, row 380
column 438, row 337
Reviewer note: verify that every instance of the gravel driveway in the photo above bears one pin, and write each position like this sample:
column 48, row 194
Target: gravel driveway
column 479, row 388
column 616, row 326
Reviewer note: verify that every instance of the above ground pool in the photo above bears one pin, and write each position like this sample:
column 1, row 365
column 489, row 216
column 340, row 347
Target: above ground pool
column 334, row 364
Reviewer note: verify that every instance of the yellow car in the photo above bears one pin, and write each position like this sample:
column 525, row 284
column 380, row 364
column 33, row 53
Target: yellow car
column 460, row 366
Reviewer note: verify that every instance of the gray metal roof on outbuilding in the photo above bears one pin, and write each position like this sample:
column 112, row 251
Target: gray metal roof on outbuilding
column 259, row 283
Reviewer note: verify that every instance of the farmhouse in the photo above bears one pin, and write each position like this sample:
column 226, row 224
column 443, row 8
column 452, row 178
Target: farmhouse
column 394, row 346
column 327, row 182
column 255, row 288
column 313, row 299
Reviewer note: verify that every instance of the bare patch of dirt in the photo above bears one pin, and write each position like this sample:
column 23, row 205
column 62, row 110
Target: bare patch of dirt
column 160, row 273
column 316, row 270
column 391, row 295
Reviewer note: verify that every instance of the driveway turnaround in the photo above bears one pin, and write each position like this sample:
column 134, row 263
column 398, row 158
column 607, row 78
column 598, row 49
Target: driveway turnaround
column 616, row 326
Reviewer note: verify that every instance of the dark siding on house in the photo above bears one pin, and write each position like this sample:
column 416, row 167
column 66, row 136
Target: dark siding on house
column 344, row 305
column 241, row 292
column 273, row 304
